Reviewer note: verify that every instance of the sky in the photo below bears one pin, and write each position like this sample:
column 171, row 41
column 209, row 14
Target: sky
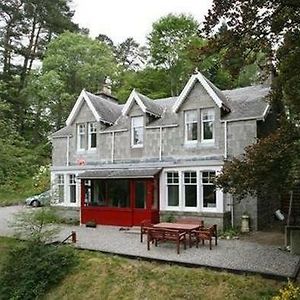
column 131, row 18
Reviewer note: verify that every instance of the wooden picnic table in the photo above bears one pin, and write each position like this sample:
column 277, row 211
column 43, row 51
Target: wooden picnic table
column 187, row 228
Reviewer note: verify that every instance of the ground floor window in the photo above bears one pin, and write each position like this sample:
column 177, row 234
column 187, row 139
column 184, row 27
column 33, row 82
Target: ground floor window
column 60, row 188
column 209, row 189
column 191, row 190
column 173, row 188
column 72, row 188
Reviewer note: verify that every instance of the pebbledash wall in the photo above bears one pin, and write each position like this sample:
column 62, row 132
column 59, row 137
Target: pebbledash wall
column 165, row 147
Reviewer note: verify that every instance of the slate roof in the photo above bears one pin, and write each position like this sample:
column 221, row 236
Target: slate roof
column 67, row 130
column 247, row 102
column 152, row 107
column 108, row 110
column 120, row 173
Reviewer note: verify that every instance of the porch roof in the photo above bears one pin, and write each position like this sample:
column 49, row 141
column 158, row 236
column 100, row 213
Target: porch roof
column 120, row 173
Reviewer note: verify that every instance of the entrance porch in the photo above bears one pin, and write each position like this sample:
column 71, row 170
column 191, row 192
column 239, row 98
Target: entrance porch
column 120, row 197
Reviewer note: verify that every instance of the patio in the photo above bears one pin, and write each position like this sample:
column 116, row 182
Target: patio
column 233, row 255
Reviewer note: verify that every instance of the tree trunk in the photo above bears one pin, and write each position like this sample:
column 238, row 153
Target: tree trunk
column 32, row 56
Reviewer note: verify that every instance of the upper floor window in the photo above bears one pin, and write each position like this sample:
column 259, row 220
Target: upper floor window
column 191, row 125
column 80, row 136
column 207, row 126
column 137, row 131
column 92, row 137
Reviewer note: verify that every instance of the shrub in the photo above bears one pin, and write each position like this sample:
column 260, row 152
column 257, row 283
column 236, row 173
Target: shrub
column 32, row 268
column 289, row 292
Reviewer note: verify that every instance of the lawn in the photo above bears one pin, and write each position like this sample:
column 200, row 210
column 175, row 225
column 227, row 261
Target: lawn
column 100, row 276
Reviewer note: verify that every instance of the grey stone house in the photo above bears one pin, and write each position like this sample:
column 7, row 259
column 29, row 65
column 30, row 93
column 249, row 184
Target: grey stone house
column 121, row 164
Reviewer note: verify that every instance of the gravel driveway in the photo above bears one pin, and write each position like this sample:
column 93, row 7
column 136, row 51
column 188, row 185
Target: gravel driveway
column 237, row 255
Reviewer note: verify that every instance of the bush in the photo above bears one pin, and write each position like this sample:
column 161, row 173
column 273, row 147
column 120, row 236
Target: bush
column 32, row 268
column 289, row 292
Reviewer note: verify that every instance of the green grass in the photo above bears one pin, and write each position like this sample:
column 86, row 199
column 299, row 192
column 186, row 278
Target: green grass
column 100, row 276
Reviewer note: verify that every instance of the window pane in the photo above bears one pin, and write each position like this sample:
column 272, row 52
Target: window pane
column 140, row 194
column 73, row 193
column 191, row 131
column 98, row 193
column 173, row 195
column 209, row 196
column 191, row 195
column 208, row 130
column 61, row 193
column 138, row 136
column 93, row 140
column 191, row 116
column 118, row 193
column 172, row 177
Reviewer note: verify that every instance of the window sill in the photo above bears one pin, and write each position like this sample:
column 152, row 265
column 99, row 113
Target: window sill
column 137, row 146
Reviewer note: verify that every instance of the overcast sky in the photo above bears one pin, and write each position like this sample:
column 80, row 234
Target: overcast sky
column 120, row 19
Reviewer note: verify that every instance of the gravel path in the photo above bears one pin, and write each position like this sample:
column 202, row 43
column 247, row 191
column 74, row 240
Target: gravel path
column 229, row 254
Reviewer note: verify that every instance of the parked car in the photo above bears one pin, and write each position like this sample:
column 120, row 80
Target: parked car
column 39, row 200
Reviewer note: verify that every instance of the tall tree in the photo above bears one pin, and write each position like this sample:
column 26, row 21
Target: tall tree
column 170, row 38
column 72, row 62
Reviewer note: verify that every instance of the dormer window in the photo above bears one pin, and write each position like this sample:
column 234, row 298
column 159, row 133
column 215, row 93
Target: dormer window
column 207, row 128
column 92, row 138
column 191, row 125
column 137, row 132
column 81, row 137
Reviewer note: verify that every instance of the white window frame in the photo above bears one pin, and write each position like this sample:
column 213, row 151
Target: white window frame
column 60, row 180
column 220, row 206
column 134, row 120
column 186, row 123
column 208, row 209
column 190, row 208
column 72, row 182
column 173, row 183
column 92, row 129
column 81, row 132
column 211, row 113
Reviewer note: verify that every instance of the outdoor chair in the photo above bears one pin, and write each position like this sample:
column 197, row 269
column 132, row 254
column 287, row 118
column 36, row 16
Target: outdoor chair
column 145, row 225
column 156, row 235
column 206, row 234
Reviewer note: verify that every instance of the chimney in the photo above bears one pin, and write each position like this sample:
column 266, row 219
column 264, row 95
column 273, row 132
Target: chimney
column 106, row 89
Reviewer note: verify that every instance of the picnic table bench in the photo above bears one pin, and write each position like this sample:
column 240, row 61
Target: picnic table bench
column 156, row 235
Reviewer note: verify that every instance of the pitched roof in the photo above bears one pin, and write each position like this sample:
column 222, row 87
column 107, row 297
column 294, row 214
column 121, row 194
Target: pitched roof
column 247, row 102
column 65, row 131
column 218, row 97
column 146, row 104
column 108, row 110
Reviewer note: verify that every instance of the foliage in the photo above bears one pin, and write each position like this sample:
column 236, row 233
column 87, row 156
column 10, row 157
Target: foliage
column 168, row 42
column 42, row 179
column 266, row 166
column 229, row 233
column 289, row 292
column 169, row 217
column 30, row 269
column 37, row 226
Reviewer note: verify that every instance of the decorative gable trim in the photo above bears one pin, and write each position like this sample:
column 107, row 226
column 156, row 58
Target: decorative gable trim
column 82, row 97
column 133, row 97
column 194, row 78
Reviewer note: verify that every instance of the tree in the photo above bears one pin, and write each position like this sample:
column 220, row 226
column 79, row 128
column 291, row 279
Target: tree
column 168, row 42
column 72, row 62
column 105, row 39
column 266, row 167
column 273, row 27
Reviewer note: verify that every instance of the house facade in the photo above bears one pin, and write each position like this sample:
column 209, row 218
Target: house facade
column 121, row 164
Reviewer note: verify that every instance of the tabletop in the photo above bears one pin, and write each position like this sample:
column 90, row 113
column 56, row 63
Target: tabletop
column 179, row 226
